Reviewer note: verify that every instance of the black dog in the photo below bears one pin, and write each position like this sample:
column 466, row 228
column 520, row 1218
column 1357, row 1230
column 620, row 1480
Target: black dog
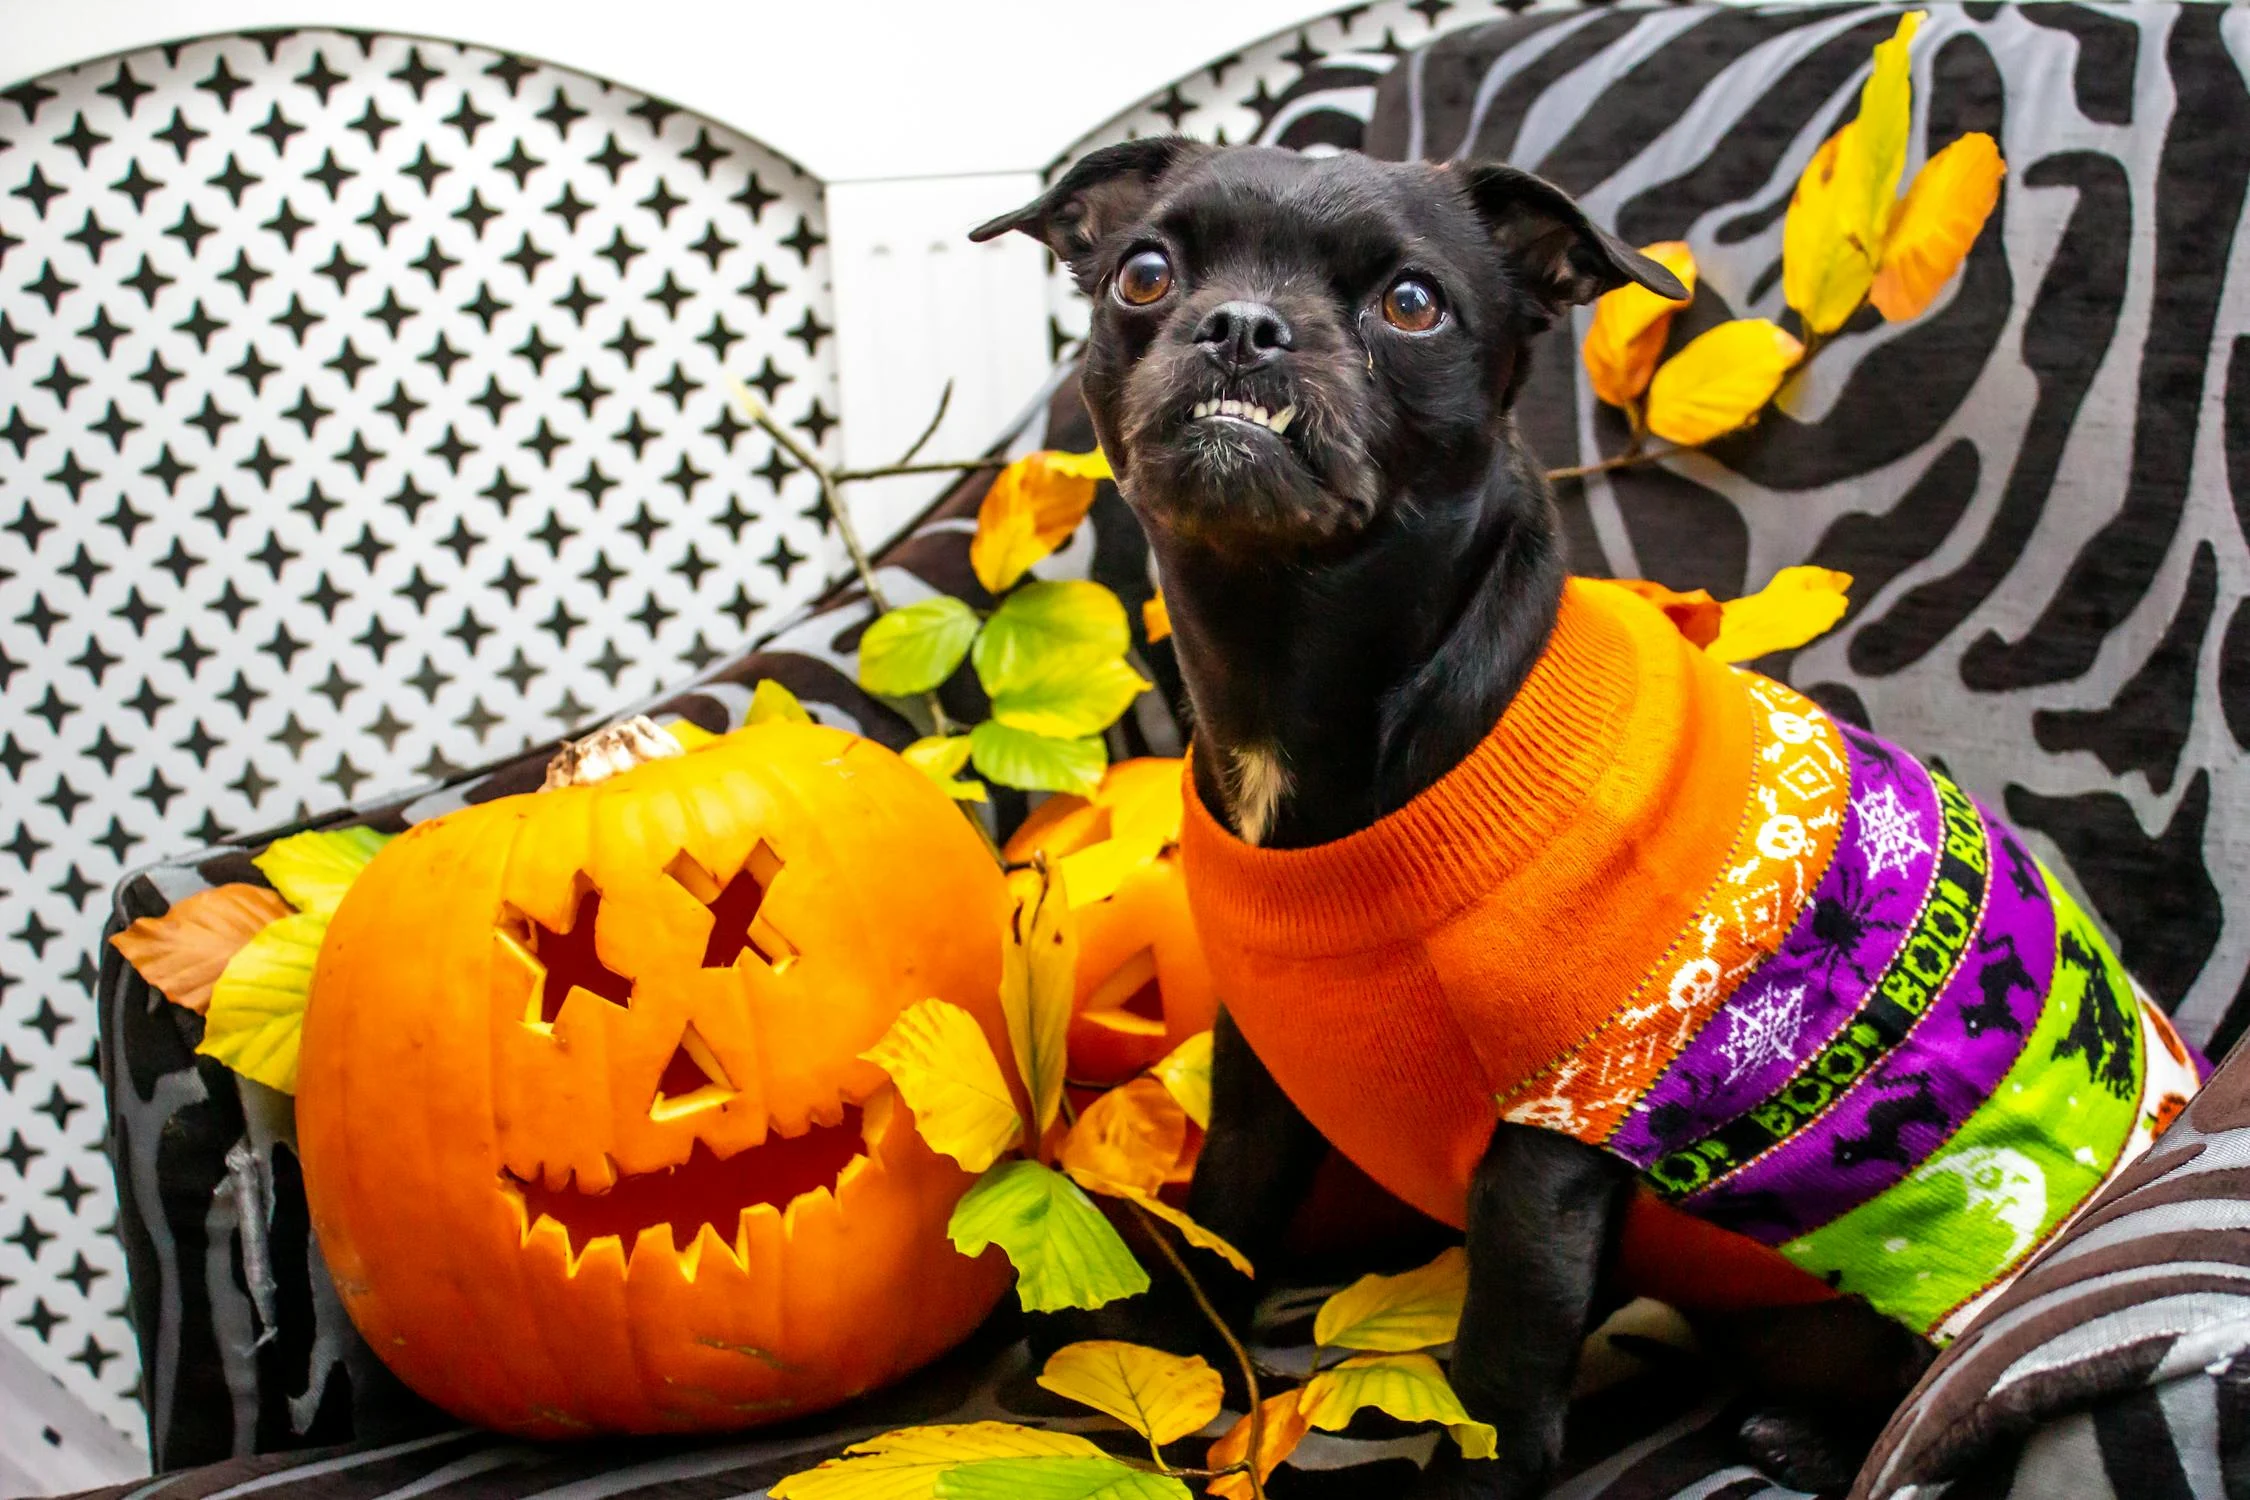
column 1302, row 372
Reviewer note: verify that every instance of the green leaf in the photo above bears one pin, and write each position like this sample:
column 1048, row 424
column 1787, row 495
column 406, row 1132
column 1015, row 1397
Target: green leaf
column 257, row 1008
column 905, row 1465
column 1045, row 628
column 313, row 870
column 1037, row 762
column 914, row 648
column 1065, row 1253
column 1077, row 699
column 1101, row 1478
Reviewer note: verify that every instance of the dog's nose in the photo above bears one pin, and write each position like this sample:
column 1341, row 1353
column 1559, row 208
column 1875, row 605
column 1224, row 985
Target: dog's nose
column 1240, row 336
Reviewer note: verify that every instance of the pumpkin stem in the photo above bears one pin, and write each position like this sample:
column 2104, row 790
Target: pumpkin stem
column 609, row 750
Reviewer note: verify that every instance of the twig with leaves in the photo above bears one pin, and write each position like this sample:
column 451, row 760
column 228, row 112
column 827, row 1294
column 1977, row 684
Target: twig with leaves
column 1849, row 240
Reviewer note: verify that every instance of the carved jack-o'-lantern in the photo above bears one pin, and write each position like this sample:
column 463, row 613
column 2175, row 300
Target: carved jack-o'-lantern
column 1143, row 987
column 587, row 1138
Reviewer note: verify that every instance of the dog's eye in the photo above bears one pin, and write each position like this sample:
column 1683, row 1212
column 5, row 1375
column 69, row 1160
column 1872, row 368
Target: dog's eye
column 1412, row 306
column 1145, row 276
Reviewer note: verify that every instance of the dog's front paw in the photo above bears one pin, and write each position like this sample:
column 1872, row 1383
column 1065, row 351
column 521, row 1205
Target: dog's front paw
column 1804, row 1450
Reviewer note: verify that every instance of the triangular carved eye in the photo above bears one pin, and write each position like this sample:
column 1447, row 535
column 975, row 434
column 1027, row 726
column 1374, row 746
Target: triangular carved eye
column 693, row 1079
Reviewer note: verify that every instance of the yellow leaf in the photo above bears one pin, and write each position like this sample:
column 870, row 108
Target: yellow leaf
column 1285, row 1428
column 1163, row 1397
column 1937, row 222
column 313, row 870
column 905, row 1465
column 1186, row 1072
column 1194, row 1233
column 1032, row 508
column 1416, row 1309
column 1840, row 211
column 941, row 758
column 183, row 952
column 257, row 1012
column 1038, row 980
column 1409, row 1387
column 944, row 1069
column 689, row 735
column 1066, row 1254
column 1096, row 871
column 1720, row 381
column 1156, row 617
column 771, row 703
column 1799, row 605
column 1630, row 325
column 1131, row 1136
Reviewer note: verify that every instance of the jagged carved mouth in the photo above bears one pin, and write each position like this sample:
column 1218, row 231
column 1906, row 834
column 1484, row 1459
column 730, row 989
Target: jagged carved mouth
column 705, row 1190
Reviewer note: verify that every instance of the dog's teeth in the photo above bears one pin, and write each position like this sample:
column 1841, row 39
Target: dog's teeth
column 1230, row 408
column 1280, row 419
column 1202, row 409
column 1256, row 414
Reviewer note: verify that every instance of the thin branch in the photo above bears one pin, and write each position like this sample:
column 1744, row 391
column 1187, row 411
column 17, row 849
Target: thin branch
column 934, row 466
column 1630, row 460
column 1234, row 1345
column 944, row 400
column 756, row 410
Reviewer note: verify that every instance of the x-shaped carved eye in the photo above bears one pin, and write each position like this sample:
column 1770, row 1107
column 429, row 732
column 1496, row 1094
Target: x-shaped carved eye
column 569, row 958
column 737, row 919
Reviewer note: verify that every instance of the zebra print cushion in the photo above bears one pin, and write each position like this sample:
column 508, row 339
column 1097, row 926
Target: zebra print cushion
column 2030, row 484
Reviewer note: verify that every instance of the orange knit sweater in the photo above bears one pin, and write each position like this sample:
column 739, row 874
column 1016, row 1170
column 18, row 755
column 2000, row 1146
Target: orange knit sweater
column 1457, row 948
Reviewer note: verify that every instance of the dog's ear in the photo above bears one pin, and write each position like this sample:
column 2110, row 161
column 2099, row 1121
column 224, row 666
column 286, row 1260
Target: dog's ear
column 1567, row 257
column 1102, row 190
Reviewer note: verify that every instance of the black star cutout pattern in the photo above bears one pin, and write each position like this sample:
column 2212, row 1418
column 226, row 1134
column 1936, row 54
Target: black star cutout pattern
column 273, row 349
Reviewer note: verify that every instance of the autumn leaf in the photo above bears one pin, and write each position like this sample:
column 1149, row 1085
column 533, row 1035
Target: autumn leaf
column 771, row 703
column 1285, row 1428
column 1043, row 628
column 1070, row 700
column 314, row 870
column 914, row 648
column 1031, row 509
column 689, row 735
column 1056, row 1479
column 1939, row 219
column 1185, row 1072
column 257, row 1011
column 1038, row 981
column 1156, row 617
column 907, row 1463
column 1695, row 614
column 1155, row 1207
column 1417, row 1309
column 1720, row 381
column 1037, row 762
column 1841, row 209
column 1066, row 1254
column 942, row 1066
column 1161, row 1396
column 1630, row 325
column 1409, row 1387
column 941, row 758
column 1799, row 605
column 1131, row 1136
column 182, row 953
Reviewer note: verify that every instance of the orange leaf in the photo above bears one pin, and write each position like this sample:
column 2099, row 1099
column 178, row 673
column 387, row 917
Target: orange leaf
column 1032, row 508
column 1285, row 1429
column 1131, row 1136
column 1720, row 381
column 183, row 952
column 1630, row 326
column 1156, row 617
column 1936, row 223
column 1695, row 614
